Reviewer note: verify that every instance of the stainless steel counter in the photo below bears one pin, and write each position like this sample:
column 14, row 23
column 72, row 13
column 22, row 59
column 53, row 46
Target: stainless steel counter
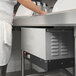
column 67, row 18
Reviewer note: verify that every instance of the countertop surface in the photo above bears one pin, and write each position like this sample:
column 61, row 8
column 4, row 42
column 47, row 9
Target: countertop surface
column 65, row 18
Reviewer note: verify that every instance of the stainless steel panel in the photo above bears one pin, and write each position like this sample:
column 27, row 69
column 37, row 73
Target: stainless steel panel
column 33, row 41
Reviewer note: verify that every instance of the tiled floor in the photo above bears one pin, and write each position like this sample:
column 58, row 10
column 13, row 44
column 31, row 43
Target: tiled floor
column 19, row 73
column 14, row 74
column 34, row 73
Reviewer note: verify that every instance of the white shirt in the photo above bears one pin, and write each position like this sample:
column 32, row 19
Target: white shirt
column 62, row 5
column 6, row 12
column 7, row 6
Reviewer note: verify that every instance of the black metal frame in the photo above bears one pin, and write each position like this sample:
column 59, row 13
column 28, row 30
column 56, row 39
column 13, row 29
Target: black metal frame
column 34, row 60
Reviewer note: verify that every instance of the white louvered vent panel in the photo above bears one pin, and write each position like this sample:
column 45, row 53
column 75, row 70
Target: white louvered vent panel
column 54, row 54
column 64, row 50
column 54, row 46
column 59, row 43
column 64, row 45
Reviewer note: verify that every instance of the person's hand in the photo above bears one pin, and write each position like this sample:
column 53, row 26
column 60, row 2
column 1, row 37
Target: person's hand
column 44, row 13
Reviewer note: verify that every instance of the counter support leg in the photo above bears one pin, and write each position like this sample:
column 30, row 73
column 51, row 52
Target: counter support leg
column 22, row 63
column 75, row 48
column 75, row 56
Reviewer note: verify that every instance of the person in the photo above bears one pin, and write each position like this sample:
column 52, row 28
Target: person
column 6, row 18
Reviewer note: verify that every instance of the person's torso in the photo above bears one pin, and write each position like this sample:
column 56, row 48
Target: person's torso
column 7, row 6
column 62, row 5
